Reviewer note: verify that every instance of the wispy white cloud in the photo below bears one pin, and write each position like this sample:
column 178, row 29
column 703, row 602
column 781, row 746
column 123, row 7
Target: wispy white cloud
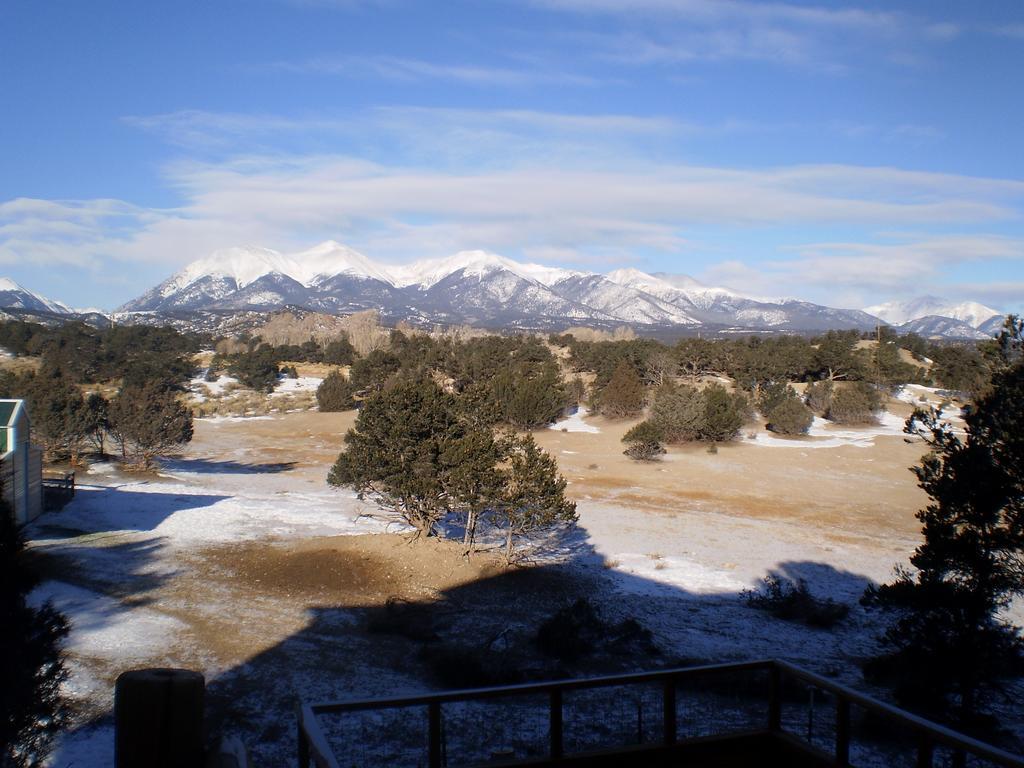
column 824, row 38
column 413, row 70
column 856, row 273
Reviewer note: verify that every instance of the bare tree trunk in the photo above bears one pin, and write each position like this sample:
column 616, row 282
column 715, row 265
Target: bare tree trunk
column 508, row 545
column 469, row 536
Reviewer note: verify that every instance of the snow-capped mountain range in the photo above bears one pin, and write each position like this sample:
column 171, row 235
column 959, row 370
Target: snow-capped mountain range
column 473, row 287
column 485, row 289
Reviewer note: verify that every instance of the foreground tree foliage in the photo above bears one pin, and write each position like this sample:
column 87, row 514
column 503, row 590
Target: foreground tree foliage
column 414, row 451
column 31, row 667
column 949, row 645
column 148, row 421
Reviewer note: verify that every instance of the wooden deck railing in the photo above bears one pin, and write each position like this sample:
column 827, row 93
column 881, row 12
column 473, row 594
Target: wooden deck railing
column 783, row 681
column 58, row 489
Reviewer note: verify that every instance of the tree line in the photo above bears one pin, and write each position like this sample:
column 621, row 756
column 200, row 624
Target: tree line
column 143, row 417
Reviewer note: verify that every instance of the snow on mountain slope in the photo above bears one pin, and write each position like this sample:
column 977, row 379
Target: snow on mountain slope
column 900, row 312
column 242, row 265
column 15, row 296
column 621, row 301
column 330, row 259
column 429, row 272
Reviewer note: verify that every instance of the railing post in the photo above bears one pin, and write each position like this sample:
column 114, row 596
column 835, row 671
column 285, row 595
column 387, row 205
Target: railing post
column 669, row 711
column 555, row 719
column 434, row 734
column 925, row 751
column 842, row 732
column 775, row 699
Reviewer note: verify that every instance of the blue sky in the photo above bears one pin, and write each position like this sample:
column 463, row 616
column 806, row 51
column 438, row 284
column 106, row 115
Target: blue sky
column 842, row 153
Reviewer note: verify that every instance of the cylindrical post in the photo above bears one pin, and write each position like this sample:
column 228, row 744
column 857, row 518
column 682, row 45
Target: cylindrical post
column 775, row 699
column 302, row 741
column 555, row 718
column 669, row 711
column 434, row 744
column 925, row 751
column 842, row 732
column 158, row 718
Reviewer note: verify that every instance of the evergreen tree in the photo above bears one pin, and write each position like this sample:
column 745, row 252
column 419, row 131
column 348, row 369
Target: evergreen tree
column 724, row 414
column 532, row 497
column 772, row 394
column 335, row 393
column 790, row 416
column 148, row 421
column 61, row 419
column 529, row 401
column 949, row 644
column 371, row 373
column 339, row 352
column 624, row 395
column 857, row 403
column 403, row 451
column 818, row 395
column 31, row 666
column 678, row 412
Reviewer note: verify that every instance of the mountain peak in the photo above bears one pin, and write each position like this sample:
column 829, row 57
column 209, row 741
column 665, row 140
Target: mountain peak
column 476, row 263
column 899, row 312
column 331, row 258
column 16, row 296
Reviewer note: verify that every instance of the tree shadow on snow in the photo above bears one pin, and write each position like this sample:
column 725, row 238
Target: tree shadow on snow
column 227, row 466
column 101, row 508
column 488, row 632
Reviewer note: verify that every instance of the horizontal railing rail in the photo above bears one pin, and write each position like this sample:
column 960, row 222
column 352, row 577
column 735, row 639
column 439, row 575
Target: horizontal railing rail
column 313, row 744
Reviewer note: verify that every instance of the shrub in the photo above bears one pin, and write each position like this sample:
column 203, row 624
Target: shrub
column 623, row 396
column 772, row 394
column 678, row 412
column 818, row 396
column 643, row 442
column 790, row 417
column 724, row 413
column 855, row 404
column 579, row 630
column 794, row 602
column 335, row 393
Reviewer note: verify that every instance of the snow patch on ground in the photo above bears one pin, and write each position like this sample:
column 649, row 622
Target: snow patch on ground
column 230, row 419
column 574, row 422
column 287, row 386
column 659, row 575
column 209, row 508
column 825, row 434
column 202, row 389
column 104, row 628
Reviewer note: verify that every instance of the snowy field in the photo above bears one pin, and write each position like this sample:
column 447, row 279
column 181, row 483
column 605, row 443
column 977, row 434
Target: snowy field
column 142, row 564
